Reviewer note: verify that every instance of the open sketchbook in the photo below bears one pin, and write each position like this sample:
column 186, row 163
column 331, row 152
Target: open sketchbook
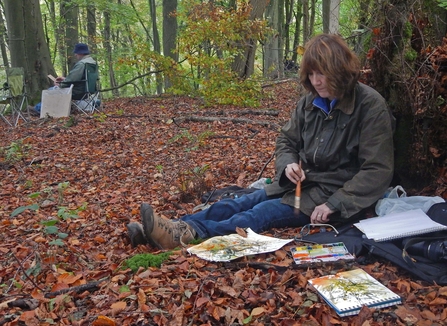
column 398, row 225
column 233, row 246
column 347, row 292
column 314, row 253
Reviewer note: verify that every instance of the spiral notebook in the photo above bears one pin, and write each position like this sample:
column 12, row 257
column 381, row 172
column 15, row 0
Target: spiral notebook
column 398, row 225
column 347, row 292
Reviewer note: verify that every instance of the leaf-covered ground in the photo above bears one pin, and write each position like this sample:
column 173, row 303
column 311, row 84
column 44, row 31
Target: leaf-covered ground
column 70, row 186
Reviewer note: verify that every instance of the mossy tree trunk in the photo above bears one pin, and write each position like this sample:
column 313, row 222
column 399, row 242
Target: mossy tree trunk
column 402, row 71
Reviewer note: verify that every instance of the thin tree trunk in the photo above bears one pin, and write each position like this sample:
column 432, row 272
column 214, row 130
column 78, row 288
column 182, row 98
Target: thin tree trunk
column 157, row 46
column 244, row 64
column 91, row 27
column 331, row 14
column 281, row 4
column 61, row 42
column 306, row 29
column 108, row 51
column 57, row 36
column 3, row 37
column 288, row 20
column 271, row 47
column 169, row 33
column 312, row 18
column 296, row 38
column 71, row 13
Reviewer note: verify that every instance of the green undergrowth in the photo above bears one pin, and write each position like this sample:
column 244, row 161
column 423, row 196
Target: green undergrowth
column 146, row 260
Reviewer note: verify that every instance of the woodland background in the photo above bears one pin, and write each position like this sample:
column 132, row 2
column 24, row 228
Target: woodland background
column 222, row 52
column 187, row 110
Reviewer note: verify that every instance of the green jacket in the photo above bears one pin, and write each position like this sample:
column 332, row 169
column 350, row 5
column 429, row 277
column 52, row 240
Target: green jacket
column 348, row 155
column 77, row 74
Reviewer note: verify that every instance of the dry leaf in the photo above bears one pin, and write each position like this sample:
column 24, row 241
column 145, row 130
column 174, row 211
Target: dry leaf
column 241, row 232
column 257, row 311
column 104, row 321
column 118, row 307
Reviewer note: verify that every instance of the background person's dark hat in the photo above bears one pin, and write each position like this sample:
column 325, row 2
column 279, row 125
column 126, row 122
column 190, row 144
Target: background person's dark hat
column 81, row 48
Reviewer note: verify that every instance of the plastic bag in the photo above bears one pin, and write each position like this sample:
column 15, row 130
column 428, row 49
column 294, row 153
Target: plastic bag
column 394, row 192
column 396, row 200
column 56, row 102
column 261, row 183
column 85, row 106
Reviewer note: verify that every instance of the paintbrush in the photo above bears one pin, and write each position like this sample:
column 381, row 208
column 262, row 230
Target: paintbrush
column 297, row 196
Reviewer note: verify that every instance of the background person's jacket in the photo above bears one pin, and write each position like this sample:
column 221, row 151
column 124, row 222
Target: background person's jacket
column 75, row 75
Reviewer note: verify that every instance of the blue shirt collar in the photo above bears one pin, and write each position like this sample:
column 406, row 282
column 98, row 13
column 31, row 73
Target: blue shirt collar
column 324, row 104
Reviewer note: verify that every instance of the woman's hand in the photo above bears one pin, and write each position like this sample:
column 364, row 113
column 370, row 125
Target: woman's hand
column 320, row 214
column 295, row 173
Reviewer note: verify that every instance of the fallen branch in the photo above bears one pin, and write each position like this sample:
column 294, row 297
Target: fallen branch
column 274, row 113
column 271, row 125
column 92, row 286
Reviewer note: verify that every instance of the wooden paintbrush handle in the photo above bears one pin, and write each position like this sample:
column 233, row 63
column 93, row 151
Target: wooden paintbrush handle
column 298, row 189
column 297, row 203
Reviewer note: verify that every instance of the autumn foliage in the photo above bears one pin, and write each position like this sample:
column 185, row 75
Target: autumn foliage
column 88, row 176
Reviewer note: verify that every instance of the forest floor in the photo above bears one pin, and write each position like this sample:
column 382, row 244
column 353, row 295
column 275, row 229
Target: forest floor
column 69, row 187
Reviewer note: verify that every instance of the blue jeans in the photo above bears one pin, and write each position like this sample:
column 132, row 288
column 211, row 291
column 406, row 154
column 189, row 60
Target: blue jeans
column 256, row 211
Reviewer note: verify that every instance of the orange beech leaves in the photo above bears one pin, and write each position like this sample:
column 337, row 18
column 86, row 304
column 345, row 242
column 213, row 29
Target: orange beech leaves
column 90, row 174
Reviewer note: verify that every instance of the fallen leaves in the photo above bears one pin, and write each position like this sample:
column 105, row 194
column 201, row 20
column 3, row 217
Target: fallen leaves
column 113, row 166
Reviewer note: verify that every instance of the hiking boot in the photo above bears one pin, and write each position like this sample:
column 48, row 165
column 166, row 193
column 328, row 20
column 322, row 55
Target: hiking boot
column 136, row 234
column 163, row 233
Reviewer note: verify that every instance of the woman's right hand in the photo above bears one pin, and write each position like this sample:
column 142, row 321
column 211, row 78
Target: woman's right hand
column 295, row 173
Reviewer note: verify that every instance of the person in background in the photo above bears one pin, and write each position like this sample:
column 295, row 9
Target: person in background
column 341, row 132
column 76, row 74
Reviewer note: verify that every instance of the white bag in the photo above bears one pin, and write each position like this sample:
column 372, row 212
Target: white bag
column 85, row 106
column 56, row 102
column 397, row 201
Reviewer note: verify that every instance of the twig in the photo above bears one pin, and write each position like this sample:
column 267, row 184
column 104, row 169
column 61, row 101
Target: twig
column 24, row 271
column 265, row 165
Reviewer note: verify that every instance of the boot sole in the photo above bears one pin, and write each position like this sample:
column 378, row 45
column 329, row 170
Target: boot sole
column 147, row 218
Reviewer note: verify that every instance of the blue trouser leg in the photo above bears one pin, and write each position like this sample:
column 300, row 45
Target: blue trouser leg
column 256, row 211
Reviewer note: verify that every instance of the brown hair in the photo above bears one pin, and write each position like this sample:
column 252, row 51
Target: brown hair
column 329, row 55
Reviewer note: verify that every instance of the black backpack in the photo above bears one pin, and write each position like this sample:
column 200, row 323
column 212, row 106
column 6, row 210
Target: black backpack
column 425, row 257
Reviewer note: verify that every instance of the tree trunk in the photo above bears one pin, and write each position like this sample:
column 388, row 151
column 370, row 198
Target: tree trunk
column 169, row 33
column 312, row 18
column 281, row 17
column 108, row 51
column 91, row 27
column 244, row 64
column 271, row 47
column 331, row 16
column 288, row 7
column 27, row 44
column 157, row 46
column 70, row 12
column 306, row 29
column 296, row 39
column 388, row 72
column 3, row 37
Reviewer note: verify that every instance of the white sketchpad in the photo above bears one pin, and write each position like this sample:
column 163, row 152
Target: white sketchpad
column 233, row 246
